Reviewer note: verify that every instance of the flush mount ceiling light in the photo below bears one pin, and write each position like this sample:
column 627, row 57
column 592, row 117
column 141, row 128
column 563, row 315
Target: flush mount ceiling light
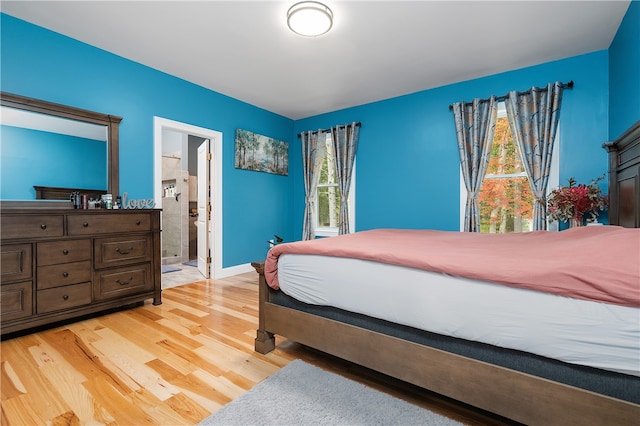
column 309, row 18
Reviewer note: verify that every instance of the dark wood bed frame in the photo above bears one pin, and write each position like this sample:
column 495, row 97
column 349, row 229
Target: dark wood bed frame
column 624, row 178
column 515, row 395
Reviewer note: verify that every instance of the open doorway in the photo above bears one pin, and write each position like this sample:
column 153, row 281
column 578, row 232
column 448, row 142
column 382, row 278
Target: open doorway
column 189, row 191
column 180, row 195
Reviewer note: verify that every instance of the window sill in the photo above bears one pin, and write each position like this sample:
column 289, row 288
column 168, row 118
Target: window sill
column 326, row 232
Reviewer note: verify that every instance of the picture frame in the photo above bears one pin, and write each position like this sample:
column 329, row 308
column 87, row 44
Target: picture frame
column 261, row 153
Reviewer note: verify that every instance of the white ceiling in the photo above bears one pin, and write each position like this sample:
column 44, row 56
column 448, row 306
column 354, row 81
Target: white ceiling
column 376, row 49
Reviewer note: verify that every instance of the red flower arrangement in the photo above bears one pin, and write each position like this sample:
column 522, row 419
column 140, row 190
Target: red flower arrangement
column 574, row 201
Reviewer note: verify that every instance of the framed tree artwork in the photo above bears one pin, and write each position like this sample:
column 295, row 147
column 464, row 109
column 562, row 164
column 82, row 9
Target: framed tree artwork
column 261, row 153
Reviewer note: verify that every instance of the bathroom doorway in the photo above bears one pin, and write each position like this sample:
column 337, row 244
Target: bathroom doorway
column 190, row 199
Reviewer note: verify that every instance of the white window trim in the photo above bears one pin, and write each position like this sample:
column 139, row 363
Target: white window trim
column 554, row 176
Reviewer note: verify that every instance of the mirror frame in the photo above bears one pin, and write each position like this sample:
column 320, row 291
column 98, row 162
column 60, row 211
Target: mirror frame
column 112, row 123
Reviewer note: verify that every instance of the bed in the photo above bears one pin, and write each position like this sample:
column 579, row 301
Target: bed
column 533, row 375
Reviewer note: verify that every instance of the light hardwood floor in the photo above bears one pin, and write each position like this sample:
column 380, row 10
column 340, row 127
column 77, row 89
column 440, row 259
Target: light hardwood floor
column 172, row 364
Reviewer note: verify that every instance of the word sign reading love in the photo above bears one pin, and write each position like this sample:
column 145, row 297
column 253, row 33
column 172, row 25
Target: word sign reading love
column 137, row 204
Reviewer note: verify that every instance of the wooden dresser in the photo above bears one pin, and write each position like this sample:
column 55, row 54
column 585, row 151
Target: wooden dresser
column 59, row 264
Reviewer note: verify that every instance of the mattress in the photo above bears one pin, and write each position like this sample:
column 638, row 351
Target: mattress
column 575, row 331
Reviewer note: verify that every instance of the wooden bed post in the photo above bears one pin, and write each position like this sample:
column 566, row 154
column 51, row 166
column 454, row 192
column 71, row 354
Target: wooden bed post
column 265, row 341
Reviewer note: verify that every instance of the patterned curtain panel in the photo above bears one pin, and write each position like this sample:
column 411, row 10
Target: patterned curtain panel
column 475, row 124
column 345, row 144
column 533, row 116
column 312, row 157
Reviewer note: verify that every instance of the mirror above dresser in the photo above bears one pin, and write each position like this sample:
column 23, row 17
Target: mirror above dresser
column 49, row 150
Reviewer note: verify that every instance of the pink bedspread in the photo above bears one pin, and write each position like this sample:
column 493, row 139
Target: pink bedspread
column 600, row 263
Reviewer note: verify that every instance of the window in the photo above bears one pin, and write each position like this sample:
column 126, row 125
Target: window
column 506, row 199
column 328, row 196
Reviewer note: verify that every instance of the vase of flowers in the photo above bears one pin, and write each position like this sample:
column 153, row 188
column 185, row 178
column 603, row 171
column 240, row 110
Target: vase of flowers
column 571, row 203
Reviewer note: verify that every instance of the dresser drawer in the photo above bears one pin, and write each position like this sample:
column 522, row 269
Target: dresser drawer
column 15, row 262
column 59, row 298
column 63, row 252
column 31, row 226
column 119, row 282
column 120, row 251
column 107, row 224
column 63, row 274
column 16, row 301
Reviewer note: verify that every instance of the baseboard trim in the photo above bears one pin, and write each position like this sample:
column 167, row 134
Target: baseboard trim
column 234, row 270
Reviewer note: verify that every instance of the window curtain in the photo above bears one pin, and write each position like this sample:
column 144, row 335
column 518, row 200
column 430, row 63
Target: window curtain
column 533, row 116
column 475, row 124
column 345, row 144
column 312, row 157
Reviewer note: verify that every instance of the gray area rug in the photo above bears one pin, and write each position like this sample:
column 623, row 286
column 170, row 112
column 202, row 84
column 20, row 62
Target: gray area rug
column 302, row 394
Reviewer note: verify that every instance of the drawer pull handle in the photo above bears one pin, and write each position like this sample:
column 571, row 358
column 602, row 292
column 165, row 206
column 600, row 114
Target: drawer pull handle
column 43, row 226
column 124, row 251
column 65, row 252
column 85, row 224
column 125, row 282
column 137, row 222
column 65, row 274
column 65, row 297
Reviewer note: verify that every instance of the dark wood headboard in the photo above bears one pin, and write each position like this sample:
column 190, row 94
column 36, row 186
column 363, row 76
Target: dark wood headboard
column 624, row 178
column 55, row 193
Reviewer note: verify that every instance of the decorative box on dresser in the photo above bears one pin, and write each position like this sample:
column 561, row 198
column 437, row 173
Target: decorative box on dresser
column 59, row 264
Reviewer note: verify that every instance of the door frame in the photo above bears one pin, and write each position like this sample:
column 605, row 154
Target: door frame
column 215, row 137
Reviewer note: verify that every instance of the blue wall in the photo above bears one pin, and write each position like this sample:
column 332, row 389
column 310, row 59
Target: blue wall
column 407, row 172
column 78, row 162
column 42, row 64
column 407, row 166
column 624, row 72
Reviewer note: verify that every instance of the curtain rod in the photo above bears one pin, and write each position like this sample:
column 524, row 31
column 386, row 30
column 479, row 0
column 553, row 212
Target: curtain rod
column 503, row 97
column 358, row 124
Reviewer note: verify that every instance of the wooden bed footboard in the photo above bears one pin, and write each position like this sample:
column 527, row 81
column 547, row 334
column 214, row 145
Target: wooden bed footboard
column 518, row 396
column 265, row 341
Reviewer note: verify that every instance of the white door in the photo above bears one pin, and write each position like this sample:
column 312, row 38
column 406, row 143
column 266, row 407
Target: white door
column 204, row 208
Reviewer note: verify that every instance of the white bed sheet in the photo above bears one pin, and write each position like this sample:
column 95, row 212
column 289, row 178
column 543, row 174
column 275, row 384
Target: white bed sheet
column 575, row 331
